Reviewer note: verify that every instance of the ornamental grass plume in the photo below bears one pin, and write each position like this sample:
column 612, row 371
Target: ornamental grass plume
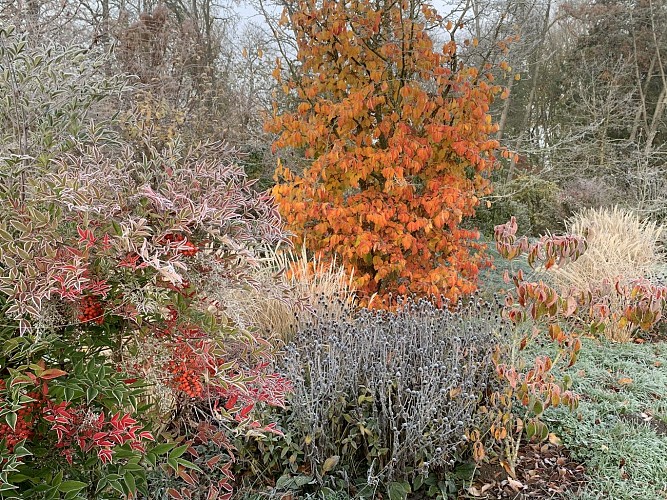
column 622, row 250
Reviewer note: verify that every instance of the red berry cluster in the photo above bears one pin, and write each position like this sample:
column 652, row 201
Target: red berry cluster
column 26, row 418
column 190, row 249
column 91, row 309
column 185, row 379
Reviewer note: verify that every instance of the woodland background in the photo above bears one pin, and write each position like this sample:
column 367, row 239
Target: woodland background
column 585, row 111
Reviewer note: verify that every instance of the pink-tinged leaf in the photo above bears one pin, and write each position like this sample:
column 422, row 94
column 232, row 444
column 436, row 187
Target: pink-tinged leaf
column 105, row 455
column 100, row 435
column 86, row 236
column 212, row 493
column 272, row 429
column 52, row 373
column 137, row 446
column 173, row 493
column 106, row 243
column 146, row 435
column 115, row 419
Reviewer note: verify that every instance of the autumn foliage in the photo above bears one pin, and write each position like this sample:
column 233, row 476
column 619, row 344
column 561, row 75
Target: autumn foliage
column 396, row 136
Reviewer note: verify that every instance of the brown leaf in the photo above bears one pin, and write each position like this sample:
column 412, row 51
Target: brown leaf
column 487, row 487
column 555, row 440
column 475, row 492
column 514, row 484
column 51, row 374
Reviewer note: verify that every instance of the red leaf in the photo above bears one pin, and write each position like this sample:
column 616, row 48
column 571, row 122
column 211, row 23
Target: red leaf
column 246, row 410
column 52, row 373
column 174, row 494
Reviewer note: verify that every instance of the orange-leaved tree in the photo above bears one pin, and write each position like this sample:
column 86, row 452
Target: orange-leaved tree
column 396, row 137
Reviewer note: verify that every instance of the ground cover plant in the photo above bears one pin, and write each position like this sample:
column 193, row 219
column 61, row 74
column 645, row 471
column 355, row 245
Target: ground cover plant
column 619, row 429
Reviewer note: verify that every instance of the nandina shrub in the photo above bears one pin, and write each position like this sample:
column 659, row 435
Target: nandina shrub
column 111, row 264
column 389, row 396
column 135, row 280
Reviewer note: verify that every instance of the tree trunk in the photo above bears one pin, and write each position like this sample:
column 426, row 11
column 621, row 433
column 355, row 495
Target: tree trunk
column 506, row 109
column 533, row 90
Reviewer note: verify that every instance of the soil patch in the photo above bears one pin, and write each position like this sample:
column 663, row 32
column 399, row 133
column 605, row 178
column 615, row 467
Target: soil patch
column 655, row 424
column 543, row 471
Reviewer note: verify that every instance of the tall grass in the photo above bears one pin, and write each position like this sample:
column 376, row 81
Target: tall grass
column 621, row 247
column 308, row 287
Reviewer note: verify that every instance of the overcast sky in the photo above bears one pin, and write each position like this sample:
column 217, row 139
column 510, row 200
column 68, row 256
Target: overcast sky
column 249, row 13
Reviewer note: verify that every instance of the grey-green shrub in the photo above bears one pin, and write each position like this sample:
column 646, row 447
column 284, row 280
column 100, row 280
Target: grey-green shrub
column 391, row 393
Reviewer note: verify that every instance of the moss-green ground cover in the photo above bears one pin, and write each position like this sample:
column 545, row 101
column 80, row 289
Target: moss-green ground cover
column 619, row 429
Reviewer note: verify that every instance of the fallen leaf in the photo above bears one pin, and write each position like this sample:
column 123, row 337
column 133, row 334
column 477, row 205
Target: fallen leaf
column 475, row 492
column 487, row 487
column 514, row 484
column 625, row 380
column 555, row 440
column 507, row 467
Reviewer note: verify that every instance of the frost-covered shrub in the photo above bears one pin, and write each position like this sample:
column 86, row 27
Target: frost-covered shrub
column 114, row 332
column 391, row 393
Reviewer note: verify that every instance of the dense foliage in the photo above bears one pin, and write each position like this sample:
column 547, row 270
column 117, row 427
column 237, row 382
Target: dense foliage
column 161, row 338
column 111, row 265
column 396, row 138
